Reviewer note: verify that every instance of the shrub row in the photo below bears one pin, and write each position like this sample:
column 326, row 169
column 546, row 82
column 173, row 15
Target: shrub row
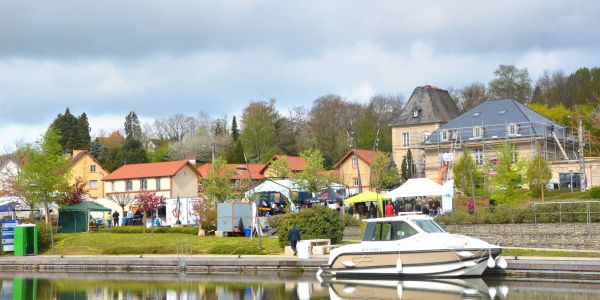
column 571, row 213
column 140, row 229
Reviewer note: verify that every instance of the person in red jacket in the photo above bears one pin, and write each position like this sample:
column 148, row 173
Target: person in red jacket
column 389, row 209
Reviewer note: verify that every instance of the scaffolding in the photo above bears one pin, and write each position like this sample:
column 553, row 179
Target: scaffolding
column 543, row 138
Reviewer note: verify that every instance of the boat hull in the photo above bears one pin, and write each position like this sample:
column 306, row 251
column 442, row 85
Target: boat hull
column 439, row 263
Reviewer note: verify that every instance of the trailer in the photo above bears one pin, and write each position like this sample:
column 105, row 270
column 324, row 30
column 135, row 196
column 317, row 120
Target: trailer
column 235, row 218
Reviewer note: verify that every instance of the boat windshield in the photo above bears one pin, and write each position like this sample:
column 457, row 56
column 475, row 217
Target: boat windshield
column 429, row 226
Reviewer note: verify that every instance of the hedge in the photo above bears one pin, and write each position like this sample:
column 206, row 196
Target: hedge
column 317, row 222
column 139, row 229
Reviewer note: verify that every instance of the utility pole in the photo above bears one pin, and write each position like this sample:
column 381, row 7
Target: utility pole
column 582, row 181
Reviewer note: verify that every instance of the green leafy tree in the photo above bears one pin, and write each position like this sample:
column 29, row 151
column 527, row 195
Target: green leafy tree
column 511, row 82
column 133, row 129
column 280, row 168
column 235, row 133
column 383, row 171
column 538, row 175
column 44, row 175
column 312, row 177
column 463, row 170
column 408, row 166
column 509, row 176
column 317, row 222
column 258, row 135
column 159, row 154
column 133, row 152
column 217, row 186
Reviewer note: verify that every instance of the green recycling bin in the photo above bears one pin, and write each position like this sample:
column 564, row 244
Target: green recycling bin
column 26, row 240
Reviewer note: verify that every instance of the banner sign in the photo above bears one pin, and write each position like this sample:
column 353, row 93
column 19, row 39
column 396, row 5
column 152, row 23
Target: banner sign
column 8, row 238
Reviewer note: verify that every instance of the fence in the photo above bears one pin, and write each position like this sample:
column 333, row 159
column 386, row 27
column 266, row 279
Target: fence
column 567, row 211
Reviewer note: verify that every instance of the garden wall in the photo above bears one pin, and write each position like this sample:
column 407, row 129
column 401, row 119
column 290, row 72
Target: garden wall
column 550, row 235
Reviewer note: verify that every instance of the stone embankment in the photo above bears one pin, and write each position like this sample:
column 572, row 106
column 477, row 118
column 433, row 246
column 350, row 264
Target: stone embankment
column 580, row 236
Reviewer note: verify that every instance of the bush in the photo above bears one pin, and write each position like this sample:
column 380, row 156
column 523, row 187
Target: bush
column 139, row 229
column 43, row 236
column 595, row 193
column 351, row 221
column 317, row 222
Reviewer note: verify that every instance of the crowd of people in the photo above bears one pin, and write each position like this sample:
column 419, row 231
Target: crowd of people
column 369, row 210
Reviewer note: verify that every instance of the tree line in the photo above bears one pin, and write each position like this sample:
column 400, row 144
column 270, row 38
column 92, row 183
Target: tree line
column 330, row 124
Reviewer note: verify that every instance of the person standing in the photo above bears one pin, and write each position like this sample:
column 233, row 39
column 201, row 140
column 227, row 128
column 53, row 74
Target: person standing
column 294, row 237
column 115, row 217
column 372, row 211
column 389, row 209
column 471, row 206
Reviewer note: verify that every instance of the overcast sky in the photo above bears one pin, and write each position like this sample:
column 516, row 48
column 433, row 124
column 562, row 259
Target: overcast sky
column 159, row 58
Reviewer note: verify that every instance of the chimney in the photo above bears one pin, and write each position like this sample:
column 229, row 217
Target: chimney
column 191, row 158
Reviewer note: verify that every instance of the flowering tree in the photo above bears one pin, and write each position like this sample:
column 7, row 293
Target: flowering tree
column 206, row 213
column 148, row 202
column 76, row 192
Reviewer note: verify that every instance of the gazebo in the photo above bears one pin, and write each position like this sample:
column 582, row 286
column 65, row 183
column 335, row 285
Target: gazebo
column 367, row 196
column 76, row 218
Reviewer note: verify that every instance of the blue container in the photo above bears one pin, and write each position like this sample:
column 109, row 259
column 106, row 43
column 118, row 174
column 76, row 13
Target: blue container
column 248, row 232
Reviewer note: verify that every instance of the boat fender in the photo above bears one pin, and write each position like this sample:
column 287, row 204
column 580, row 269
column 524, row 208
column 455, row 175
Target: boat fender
column 349, row 289
column 492, row 291
column 465, row 254
column 399, row 290
column 501, row 263
column 491, row 263
column 469, row 263
column 399, row 265
column 503, row 290
column 348, row 264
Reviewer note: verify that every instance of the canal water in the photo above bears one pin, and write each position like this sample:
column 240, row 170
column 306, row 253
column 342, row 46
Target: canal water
column 279, row 286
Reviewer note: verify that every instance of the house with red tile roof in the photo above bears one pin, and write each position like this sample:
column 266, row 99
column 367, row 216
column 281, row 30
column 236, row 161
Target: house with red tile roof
column 85, row 166
column 169, row 179
column 348, row 169
column 240, row 171
column 296, row 164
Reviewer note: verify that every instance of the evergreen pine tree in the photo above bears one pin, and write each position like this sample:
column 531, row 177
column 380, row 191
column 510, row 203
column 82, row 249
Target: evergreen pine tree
column 65, row 125
column 133, row 129
column 82, row 133
column 407, row 166
column 235, row 133
column 235, row 153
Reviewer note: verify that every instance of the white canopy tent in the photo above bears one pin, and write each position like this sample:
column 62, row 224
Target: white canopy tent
column 416, row 187
column 283, row 186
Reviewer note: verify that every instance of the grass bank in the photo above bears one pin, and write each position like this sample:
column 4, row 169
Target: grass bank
column 548, row 253
column 163, row 243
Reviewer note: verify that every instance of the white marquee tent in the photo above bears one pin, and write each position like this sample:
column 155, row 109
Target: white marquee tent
column 416, row 187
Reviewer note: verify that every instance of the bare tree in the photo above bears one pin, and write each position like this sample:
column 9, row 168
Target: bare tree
column 121, row 200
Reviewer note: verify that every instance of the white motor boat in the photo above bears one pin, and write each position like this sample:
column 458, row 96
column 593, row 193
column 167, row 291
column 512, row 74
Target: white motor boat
column 412, row 245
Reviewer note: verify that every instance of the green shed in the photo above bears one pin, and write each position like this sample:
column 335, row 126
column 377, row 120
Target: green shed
column 76, row 218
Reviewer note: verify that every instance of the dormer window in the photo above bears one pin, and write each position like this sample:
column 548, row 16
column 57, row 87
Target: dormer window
column 477, row 132
column 445, row 135
column 416, row 112
column 512, row 129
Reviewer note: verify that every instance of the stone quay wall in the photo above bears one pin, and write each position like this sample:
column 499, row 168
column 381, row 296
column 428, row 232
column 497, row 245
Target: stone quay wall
column 581, row 236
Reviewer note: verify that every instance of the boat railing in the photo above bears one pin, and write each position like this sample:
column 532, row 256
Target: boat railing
column 566, row 211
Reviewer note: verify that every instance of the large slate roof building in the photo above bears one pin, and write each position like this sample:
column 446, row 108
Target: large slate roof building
column 427, row 109
column 484, row 128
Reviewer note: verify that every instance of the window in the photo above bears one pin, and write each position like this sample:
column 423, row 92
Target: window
column 157, row 180
column 355, row 181
column 514, row 155
column 128, row 185
column 93, row 168
column 429, row 226
column 355, row 162
column 478, row 157
column 143, row 184
column 416, row 112
column 444, row 135
column 424, row 159
column 477, row 132
column 93, row 184
column 513, row 129
column 379, row 231
column 405, row 140
column 425, row 136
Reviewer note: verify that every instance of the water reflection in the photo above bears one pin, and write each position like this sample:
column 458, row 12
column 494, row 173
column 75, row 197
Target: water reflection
column 92, row 286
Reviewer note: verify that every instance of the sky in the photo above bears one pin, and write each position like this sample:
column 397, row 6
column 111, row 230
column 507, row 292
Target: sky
column 159, row 58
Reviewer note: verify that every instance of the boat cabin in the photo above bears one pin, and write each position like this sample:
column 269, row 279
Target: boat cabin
column 400, row 227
